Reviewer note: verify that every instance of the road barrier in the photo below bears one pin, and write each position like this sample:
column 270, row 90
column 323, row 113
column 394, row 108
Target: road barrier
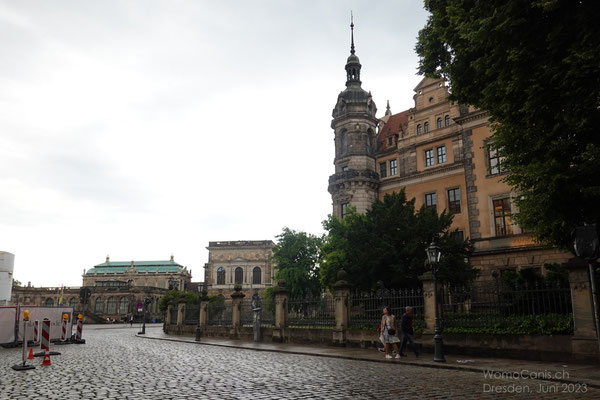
column 23, row 366
column 45, row 343
column 79, row 331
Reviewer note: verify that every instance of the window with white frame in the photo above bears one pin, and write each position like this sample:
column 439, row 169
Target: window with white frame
column 393, row 167
column 429, row 159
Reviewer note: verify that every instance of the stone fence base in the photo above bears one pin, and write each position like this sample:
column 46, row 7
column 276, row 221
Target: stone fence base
column 529, row 347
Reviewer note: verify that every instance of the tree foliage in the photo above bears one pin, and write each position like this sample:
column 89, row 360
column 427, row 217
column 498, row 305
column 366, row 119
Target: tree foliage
column 388, row 244
column 177, row 296
column 296, row 255
column 533, row 65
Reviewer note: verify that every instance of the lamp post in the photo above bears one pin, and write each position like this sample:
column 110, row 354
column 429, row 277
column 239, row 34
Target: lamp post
column 147, row 301
column 434, row 254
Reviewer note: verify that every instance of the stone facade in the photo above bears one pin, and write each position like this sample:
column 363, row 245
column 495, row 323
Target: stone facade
column 441, row 153
column 245, row 262
column 116, row 289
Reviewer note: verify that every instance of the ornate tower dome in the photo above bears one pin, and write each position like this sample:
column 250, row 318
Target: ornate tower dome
column 355, row 181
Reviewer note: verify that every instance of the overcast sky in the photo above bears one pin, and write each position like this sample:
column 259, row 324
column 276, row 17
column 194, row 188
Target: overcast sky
column 141, row 129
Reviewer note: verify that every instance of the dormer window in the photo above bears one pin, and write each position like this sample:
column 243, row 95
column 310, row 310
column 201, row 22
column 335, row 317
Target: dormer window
column 419, row 129
column 390, row 141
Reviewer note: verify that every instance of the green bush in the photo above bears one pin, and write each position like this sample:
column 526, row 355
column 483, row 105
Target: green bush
column 496, row 324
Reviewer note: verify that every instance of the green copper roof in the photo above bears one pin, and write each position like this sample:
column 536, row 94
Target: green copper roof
column 119, row 267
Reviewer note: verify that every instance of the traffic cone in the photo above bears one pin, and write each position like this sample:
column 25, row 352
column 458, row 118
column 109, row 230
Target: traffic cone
column 46, row 360
column 30, row 356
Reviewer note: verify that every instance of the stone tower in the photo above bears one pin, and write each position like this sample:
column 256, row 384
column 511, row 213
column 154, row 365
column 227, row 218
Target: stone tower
column 355, row 181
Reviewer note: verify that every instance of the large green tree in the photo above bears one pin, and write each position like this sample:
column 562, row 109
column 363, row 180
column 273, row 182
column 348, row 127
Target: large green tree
column 296, row 257
column 388, row 244
column 534, row 66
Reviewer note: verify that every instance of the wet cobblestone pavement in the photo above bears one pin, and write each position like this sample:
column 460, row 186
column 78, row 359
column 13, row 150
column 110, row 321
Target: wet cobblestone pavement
column 114, row 364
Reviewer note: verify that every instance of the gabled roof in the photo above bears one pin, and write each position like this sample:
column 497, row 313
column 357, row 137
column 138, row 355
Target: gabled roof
column 427, row 82
column 395, row 124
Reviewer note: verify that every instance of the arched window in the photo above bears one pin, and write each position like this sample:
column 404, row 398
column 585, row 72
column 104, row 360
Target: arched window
column 447, row 120
column 344, row 143
column 426, row 127
column 439, row 123
column 220, row 276
column 419, row 129
column 49, row 302
column 99, row 306
column 124, row 305
column 111, row 306
column 256, row 276
column 73, row 303
column 239, row 275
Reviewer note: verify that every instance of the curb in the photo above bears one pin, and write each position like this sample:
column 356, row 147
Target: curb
column 382, row 361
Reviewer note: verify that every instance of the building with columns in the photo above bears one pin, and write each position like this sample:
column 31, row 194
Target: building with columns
column 442, row 154
column 116, row 289
column 244, row 262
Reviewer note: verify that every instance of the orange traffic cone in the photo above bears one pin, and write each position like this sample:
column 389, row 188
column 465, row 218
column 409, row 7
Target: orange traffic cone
column 46, row 360
column 30, row 356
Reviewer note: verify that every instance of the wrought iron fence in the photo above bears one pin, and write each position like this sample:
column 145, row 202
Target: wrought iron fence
column 500, row 306
column 311, row 312
column 366, row 308
column 267, row 313
column 219, row 313
column 191, row 314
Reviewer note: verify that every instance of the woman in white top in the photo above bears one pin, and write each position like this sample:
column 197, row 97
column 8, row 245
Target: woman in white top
column 389, row 332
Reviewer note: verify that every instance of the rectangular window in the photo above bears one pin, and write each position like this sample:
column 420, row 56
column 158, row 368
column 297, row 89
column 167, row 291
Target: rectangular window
column 431, row 200
column 393, row 167
column 502, row 217
column 429, row 160
column 495, row 161
column 383, row 169
column 344, row 209
column 344, row 168
column 441, row 153
column 390, row 141
column 459, row 236
column 454, row 201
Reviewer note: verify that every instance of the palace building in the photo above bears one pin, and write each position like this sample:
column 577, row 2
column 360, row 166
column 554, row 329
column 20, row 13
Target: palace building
column 117, row 287
column 442, row 154
column 243, row 262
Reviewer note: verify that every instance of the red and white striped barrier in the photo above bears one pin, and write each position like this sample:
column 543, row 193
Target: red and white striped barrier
column 45, row 334
column 79, row 331
column 45, row 343
column 63, row 334
column 36, row 331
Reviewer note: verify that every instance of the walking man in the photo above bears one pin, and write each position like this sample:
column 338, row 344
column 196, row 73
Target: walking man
column 407, row 332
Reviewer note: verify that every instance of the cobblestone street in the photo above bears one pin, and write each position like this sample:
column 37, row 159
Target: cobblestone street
column 114, row 364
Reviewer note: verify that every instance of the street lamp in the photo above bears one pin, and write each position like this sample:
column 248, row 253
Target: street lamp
column 434, row 254
column 147, row 302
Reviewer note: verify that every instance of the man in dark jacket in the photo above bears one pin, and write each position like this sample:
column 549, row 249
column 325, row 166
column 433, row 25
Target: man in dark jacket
column 406, row 325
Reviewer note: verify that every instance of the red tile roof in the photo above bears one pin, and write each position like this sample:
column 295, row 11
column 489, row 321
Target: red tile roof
column 396, row 124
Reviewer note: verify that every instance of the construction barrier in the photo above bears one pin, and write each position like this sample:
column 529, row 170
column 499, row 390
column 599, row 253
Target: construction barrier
column 79, row 331
column 36, row 331
column 23, row 366
column 45, row 343
column 63, row 335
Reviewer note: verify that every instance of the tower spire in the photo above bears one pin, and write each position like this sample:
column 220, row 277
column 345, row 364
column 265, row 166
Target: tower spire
column 352, row 32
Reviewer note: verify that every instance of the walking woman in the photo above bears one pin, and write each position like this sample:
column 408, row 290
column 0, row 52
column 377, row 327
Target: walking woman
column 389, row 332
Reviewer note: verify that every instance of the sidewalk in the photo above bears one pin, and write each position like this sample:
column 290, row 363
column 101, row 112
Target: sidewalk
column 551, row 371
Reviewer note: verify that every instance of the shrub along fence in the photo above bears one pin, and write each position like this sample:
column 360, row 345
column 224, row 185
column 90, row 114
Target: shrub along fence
column 541, row 308
column 366, row 308
column 544, row 321
column 311, row 312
